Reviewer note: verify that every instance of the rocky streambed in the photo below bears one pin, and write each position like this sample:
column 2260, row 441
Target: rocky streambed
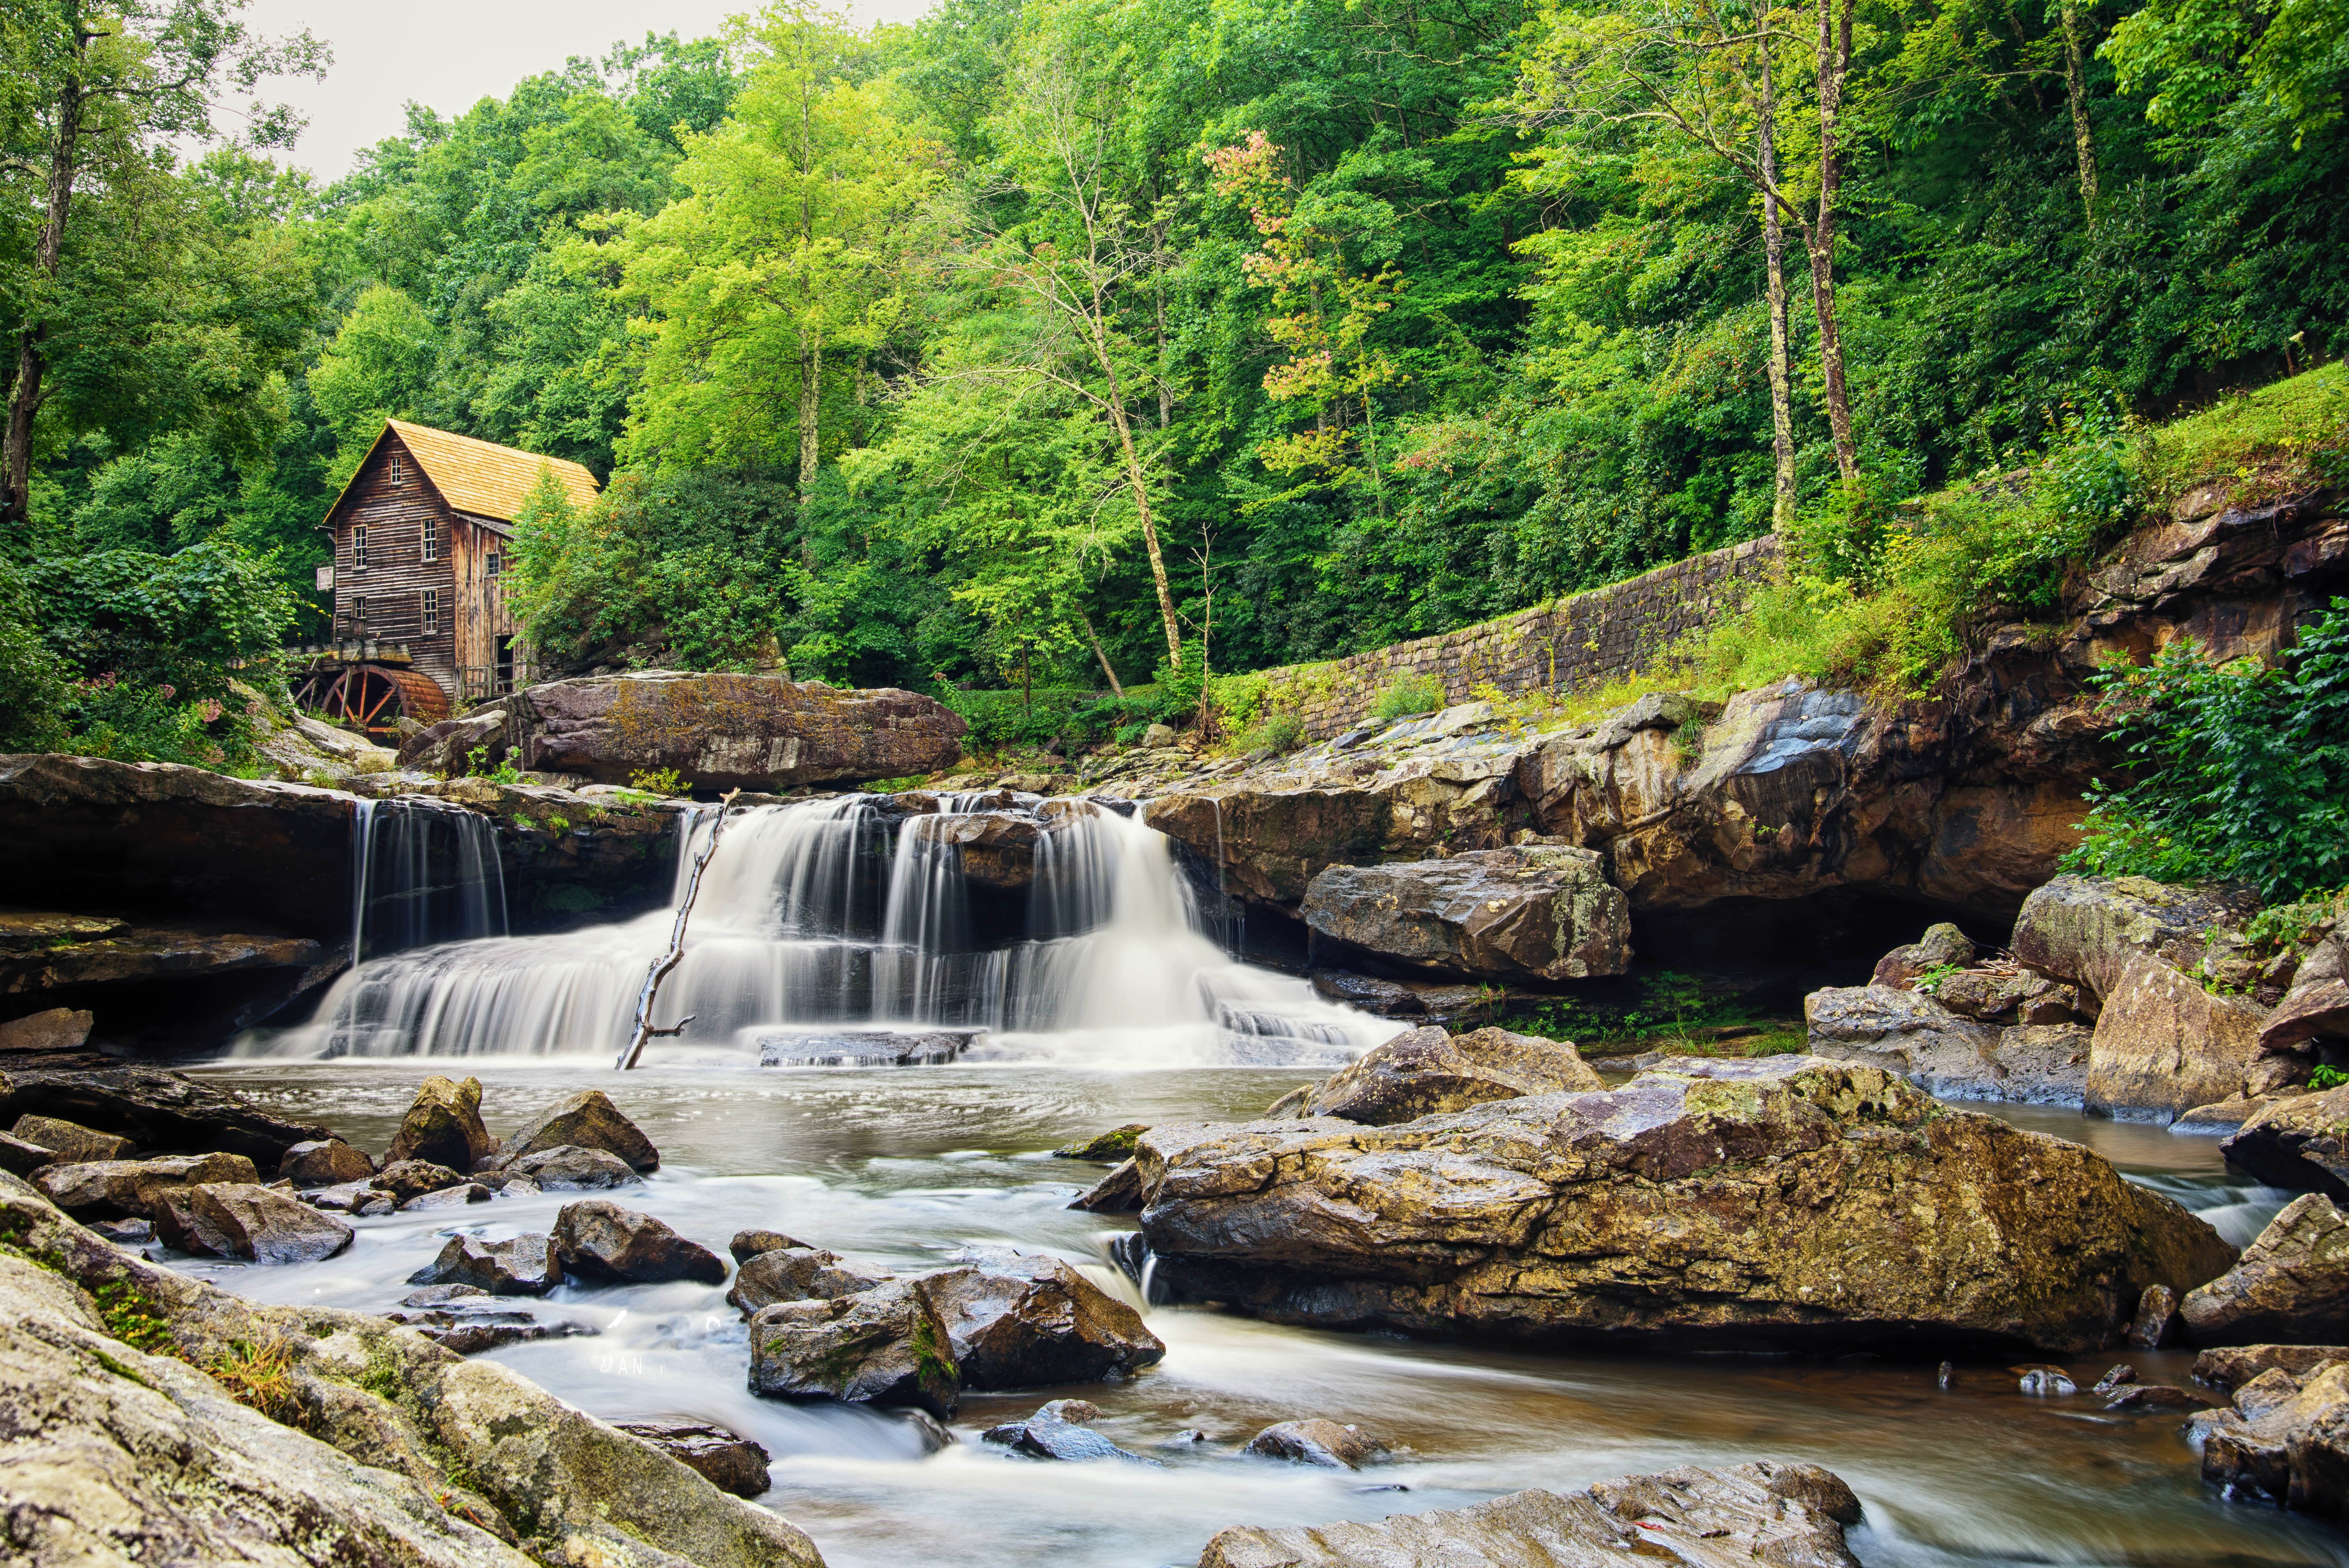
column 907, row 1170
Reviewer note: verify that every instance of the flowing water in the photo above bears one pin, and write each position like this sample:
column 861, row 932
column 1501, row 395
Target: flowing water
column 1111, row 1007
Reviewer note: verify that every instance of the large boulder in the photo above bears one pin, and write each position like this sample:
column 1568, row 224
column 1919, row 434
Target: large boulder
column 1427, row 1072
column 1945, row 1052
column 1028, row 1322
column 69, row 1140
column 600, row 1241
column 588, row 1119
column 726, row 1460
column 157, row 1110
column 520, row 1265
column 717, row 730
column 797, row 1274
column 2286, row 1440
column 1542, row 911
column 136, row 1187
column 2317, row 1005
column 2301, row 1141
column 883, row 1346
column 1317, row 1441
column 2084, row 930
column 149, row 1447
column 2290, row 1287
column 2164, row 1045
column 243, row 1220
column 1942, row 946
column 444, row 1127
column 323, row 1162
column 1784, row 1203
column 1789, row 1515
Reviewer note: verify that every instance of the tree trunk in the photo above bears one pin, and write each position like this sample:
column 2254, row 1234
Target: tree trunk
column 1773, row 245
column 1094, row 638
column 25, row 391
column 1138, row 482
column 2084, row 139
column 1835, row 64
column 811, row 389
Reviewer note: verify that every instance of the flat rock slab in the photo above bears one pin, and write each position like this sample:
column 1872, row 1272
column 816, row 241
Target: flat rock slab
column 1544, row 913
column 157, row 1109
column 864, row 1048
column 1427, row 1072
column 1784, row 1204
column 1787, row 1515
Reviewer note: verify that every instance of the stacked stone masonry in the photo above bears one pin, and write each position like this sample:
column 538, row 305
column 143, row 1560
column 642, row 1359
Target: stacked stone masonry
column 1570, row 645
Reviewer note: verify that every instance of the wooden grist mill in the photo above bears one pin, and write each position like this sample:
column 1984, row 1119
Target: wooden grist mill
column 422, row 535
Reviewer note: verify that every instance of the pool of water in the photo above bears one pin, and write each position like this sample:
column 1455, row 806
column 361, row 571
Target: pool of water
column 904, row 1167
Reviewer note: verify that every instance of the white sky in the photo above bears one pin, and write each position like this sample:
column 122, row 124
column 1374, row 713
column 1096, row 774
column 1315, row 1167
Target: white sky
column 451, row 54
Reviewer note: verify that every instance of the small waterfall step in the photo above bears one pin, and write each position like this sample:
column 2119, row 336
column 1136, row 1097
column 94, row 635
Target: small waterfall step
column 864, row 1047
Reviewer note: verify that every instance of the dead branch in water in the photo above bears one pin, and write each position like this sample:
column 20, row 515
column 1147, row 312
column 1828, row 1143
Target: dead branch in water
column 675, row 953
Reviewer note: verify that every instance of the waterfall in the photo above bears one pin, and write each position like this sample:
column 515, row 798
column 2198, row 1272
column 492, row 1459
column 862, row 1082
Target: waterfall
column 422, row 871
column 847, row 910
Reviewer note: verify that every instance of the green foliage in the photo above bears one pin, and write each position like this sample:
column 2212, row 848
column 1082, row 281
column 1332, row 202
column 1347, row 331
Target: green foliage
column 1930, row 983
column 1276, row 732
column 33, row 682
column 2239, row 772
column 2326, row 1078
column 478, row 766
column 664, row 782
column 1408, row 695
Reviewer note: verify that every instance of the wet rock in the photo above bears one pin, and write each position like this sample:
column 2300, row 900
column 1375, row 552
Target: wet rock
column 136, row 1187
column 444, row 1127
column 2165, row 1044
column 798, row 1274
column 325, row 1162
column 723, row 731
column 409, row 1179
column 1674, row 1210
column 569, row 1167
column 242, row 1220
column 2316, row 1007
column 455, row 1196
column 882, row 1346
column 51, row 1029
column 442, row 1295
column 1426, row 1072
column 1944, row 1052
column 884, row 1047
column 2231, row 1366
column 125, row 1232
column 2290, row 1286
column 600, row 1241
column 2149, row 1397
column 2292, row 1448
column 2114, row 1378
column 2301, row 1142
column 157, row 1109
column 19, row 1157
column 1545, row 911
column 2156, row 1321
column 1119, row 1192
column 349, row 1198
column 749, row 1244
column 1029, row 1322
column 727, row 1460
column 471, row 1437
column 1942, row 946
column 471, row 1333
column 588, row 1119
column 2226, row 1117
column 69, row 1143
column 1317, row 1442
column 1734, row 1517
column 2041, row 1382
column 1058, row 1432
column 1109, row 1148
column 2084, row 930
column 521, row 1265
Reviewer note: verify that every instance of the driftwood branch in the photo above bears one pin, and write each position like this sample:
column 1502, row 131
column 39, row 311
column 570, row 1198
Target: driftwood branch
column 675, row 953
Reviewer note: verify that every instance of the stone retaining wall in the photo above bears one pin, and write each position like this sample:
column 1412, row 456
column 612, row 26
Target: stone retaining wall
column 1569, row 646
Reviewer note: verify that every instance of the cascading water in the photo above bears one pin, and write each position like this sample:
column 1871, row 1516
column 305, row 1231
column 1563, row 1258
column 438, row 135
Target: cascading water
column 838, row 912
column 422, row 872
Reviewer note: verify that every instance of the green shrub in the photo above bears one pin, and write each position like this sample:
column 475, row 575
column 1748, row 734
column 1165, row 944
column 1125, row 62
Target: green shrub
column 1408, row 695
column 2327, row 1078
column 1276, row 732
column 2239, row 772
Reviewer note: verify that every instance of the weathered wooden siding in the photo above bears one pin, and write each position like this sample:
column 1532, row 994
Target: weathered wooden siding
column 392, row 499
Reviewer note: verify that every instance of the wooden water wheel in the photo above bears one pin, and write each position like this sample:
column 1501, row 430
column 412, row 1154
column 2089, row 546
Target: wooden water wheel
column 372, row 698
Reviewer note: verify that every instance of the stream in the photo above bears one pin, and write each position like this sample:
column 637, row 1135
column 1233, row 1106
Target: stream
column 1133, row 1016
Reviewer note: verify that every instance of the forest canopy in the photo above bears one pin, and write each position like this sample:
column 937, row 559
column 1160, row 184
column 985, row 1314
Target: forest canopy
column 1047, row 341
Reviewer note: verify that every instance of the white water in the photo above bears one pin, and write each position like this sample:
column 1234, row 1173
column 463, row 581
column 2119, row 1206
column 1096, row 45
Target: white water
column 831, row 913
column 422, row 872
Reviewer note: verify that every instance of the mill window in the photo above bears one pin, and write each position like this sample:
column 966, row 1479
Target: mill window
column 398, row 474
column 431, row 611
column 358, row 613
column 430, row 549
column 358, row 550
column 490, row 565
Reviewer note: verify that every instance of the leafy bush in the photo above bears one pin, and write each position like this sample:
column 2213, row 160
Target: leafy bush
column 2327, row 1078
column 1277, row 732
column 1408, row 695
column 32, row 689
column 665, row 782
column 2240, row 771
